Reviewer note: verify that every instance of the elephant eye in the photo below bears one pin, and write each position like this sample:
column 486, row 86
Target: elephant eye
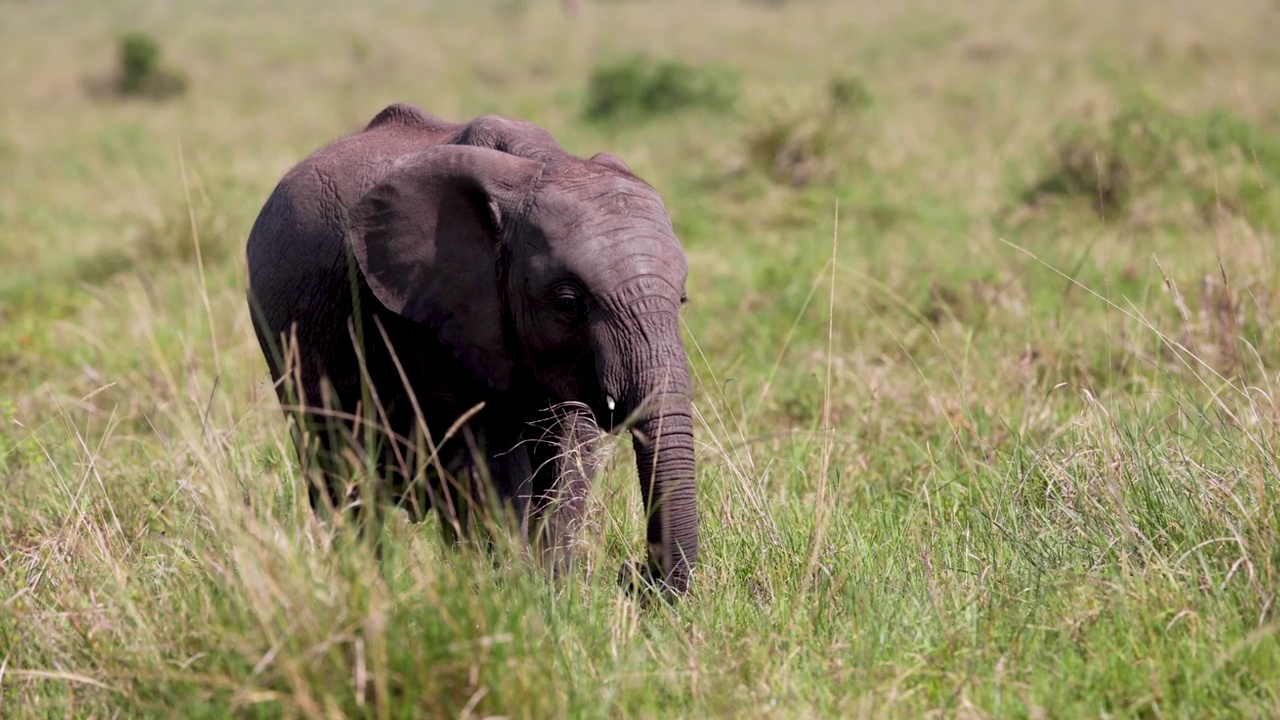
column 569, row 298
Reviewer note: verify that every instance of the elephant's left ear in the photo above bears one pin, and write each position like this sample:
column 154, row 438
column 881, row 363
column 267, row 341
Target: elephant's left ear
column 426, row 238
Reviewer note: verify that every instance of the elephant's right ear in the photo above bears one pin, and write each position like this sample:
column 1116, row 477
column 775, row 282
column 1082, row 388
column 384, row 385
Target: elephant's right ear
column 610, row 160
column 426, row 238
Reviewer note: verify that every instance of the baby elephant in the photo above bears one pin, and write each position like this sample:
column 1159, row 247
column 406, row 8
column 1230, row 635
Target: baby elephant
column 463, row 308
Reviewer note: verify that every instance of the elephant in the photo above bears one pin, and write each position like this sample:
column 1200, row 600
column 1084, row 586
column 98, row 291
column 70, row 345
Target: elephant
column 465, row 312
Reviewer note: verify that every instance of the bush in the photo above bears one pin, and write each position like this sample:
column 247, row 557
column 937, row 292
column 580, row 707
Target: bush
column 141, row 73
column 849, row 92
column 639, row 87
column 800, row 145
column 793, row 147
column 1151, row 165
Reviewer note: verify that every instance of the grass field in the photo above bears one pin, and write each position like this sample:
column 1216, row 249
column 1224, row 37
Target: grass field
column 983, row 317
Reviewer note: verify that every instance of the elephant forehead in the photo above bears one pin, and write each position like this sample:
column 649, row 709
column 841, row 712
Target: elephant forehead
column 628, row 244
column 609, row 228
column 603, row 201
column 599, row 223
column 632, row 245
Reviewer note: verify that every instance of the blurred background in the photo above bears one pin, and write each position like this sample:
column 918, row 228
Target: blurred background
column 1094, row 133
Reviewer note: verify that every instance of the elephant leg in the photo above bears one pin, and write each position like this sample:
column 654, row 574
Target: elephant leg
column 331, row 432
column 355, row 462
column 511, row 472
column 343, row 483
column 409, row 470
column 455, row 491
column 490, row 488
column 567, row 456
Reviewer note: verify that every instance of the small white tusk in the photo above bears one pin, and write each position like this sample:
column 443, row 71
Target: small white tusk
column 608, row 399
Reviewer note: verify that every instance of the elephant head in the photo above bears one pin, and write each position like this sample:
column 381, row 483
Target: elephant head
column 558, row 273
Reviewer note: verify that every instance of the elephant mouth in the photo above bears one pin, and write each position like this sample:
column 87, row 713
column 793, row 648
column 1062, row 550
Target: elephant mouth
column 618, row 415
column 611, row 413
column 606, row 411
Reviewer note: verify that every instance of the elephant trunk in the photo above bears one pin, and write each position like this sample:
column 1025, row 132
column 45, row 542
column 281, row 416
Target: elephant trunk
column 663, row 443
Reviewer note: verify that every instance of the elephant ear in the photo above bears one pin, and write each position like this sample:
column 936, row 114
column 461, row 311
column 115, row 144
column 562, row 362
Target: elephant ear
column 610, row 160
column 426, row 237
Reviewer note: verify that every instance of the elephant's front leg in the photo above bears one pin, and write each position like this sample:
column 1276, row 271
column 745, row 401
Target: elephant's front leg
column 567, row 454
column 490, row 488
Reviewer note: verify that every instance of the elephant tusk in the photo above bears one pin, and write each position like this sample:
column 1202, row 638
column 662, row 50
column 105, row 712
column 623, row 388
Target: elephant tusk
column 608, row 399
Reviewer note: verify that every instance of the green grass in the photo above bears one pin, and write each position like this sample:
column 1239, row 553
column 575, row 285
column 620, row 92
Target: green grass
column 972, row 442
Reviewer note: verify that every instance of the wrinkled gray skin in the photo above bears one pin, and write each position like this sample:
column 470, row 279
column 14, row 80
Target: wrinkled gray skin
column 503, row 271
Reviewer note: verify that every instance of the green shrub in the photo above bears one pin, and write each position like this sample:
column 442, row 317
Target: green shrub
column 139, row 60
column 141, row 73
column 849, row 92
column 803, row 144
column 1150, row 164
column 793, row 147
column 639, row 87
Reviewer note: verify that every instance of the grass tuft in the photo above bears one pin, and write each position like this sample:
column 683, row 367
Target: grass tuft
column 141, row 72
column 1153, row 166
column 639, row 87
column 799, row 146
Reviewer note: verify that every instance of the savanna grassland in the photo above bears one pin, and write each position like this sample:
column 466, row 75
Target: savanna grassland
column 982, row 316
